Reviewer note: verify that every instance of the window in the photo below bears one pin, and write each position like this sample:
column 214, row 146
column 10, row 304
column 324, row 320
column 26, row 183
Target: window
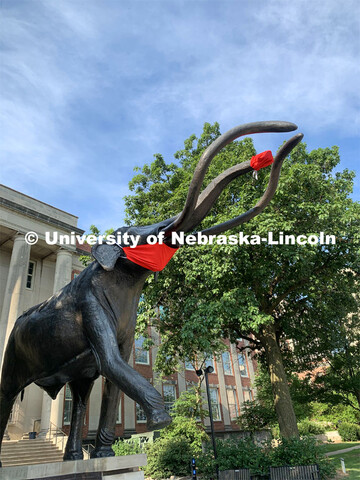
column 140, row 414
column 169, row 393
column 227, row 363
column 67, row 405
column 243, row 365
column 209, row 361
column 191, row 386
column 189, row 365
column 215, row 405
column 232, row 403
column 248, row 395
column 141, row 355
column 118, row 418
column 30, row 275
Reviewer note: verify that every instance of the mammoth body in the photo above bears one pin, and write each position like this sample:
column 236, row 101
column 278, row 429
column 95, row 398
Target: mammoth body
column 87, row 328
column 63, row 320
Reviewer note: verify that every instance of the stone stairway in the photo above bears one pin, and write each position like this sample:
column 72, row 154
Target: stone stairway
column 29, row 452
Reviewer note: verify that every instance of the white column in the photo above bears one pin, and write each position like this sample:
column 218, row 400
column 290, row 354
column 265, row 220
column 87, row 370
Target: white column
column 251, row 366
column 52, row 410
column 222, row 391
column 63, row 269
column 129, row 408
column 249, row 355
column 181, row 382
column 14, row 291
column 239, row 390
column 157, row 383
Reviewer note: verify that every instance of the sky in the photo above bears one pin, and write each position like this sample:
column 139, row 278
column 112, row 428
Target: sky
column 91, row 89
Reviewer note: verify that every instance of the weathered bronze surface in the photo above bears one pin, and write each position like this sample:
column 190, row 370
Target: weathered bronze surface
column 87, row 328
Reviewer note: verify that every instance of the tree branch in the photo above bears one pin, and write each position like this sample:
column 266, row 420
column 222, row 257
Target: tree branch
column 294, row 287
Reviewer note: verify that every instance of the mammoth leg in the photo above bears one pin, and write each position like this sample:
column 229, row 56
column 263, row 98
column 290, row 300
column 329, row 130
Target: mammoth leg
column 106, row 431
column 112, row 365
column 137, row 388
column 14, row 378
column 109, row 410
column 6, row 403
column 80, row 390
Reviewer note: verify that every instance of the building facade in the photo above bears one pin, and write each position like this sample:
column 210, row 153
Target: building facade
column 29, row 274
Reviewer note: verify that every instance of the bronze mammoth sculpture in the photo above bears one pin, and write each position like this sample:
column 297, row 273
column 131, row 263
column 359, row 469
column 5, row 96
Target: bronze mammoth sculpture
column 87, row 328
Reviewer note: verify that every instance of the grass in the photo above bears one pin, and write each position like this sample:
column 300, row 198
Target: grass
column 332, row 447
column 352, row 463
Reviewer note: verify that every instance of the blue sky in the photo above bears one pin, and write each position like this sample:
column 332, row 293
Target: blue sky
column 93, row 88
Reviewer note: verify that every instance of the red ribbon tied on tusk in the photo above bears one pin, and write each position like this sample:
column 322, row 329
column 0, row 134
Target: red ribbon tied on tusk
column 261, row 160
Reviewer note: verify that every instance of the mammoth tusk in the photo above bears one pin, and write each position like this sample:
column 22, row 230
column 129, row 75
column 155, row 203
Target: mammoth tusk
column 269, row 192
column 194, row 189
column 213, row 191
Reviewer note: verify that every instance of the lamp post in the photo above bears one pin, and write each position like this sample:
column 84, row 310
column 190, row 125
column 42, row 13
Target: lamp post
column 210, row 369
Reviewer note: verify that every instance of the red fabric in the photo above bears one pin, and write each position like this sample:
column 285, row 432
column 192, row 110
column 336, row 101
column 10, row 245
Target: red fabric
column 261, row 160
column 152, row 257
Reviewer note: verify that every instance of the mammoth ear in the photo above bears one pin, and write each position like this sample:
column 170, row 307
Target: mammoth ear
column 107, row 255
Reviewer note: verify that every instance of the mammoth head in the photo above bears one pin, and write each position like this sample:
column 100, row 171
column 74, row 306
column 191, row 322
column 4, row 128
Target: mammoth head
column 154, row 257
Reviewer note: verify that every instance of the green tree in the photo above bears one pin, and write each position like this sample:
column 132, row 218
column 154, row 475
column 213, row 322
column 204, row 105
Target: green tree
column 282, row 298
column 339, row 383
column 187, row 414
column 180, row 441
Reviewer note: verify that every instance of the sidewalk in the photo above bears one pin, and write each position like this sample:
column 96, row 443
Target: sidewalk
column 344, row 450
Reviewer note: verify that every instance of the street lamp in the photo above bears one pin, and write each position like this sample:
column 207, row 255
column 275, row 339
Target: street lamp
column 210, row 369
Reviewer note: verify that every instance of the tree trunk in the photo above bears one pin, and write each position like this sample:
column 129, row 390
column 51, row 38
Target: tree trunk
column 282, row 399
column 357, row 396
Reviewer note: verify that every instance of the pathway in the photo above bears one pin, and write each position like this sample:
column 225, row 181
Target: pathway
column 344, row 450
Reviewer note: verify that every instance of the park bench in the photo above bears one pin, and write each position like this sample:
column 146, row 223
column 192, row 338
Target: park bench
column 242, row 474
column 303, row 472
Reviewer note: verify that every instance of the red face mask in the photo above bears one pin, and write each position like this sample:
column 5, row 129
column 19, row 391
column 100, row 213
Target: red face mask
column 152, row 257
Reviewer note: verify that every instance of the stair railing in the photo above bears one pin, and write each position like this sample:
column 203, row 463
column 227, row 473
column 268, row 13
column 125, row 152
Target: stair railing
column 56, row 435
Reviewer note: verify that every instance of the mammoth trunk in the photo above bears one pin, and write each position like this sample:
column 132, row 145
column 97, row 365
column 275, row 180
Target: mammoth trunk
column 279, row 383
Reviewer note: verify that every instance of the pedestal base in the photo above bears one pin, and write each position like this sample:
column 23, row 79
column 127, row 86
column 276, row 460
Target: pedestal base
column 113, row 468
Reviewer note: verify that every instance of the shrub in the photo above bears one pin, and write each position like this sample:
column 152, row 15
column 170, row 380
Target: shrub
column 307, row 427
column 233, row 453
column 168, row 456
column 333, row 414
column 237, row 453
column 349, row 432
column 343, row 413
column 318, row 410
column 127, row 448
column 304, row 451
column 188, row 428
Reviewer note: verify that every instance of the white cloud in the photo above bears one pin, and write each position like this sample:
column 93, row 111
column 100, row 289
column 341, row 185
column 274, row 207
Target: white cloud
column 92, row 87
column 301, row 65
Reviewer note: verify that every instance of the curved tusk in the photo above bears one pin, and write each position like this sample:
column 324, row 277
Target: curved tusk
column 269, row 192
column 212, row 150
column 212, row 192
